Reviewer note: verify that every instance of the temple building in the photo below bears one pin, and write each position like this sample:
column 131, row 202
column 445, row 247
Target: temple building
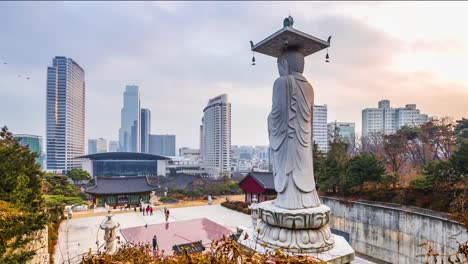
column 120, row 191
column 259, row 183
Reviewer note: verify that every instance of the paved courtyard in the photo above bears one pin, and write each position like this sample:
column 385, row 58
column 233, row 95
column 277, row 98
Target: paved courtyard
column 176, row 233
column 79, row 235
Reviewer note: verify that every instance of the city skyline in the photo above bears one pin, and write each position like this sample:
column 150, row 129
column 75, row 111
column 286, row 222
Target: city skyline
column 395, row 60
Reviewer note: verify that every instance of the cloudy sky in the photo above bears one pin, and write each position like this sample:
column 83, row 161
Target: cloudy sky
column 181, row 54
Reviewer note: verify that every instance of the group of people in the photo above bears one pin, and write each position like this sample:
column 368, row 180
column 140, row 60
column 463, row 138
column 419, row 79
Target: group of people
column 148, row 210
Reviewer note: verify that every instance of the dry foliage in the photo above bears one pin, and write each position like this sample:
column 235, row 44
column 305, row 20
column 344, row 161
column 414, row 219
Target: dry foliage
column 431, row 256
column 222, row 251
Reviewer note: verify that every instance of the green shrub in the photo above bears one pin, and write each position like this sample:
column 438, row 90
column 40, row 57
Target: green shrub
column 52, row 200
column 422, row 183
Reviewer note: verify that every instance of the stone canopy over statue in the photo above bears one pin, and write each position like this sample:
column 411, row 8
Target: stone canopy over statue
column 295, row 220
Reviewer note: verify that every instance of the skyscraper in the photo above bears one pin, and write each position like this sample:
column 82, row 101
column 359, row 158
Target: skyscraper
column 145, row 129
column 319, row 126
column 387, row 120
column 129, row 133
column 163, row 145
column 216, row 143
column 65, row 114
column 34, row 143
column 113, row 145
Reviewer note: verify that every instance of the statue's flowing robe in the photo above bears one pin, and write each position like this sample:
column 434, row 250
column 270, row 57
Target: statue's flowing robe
column 290, row 135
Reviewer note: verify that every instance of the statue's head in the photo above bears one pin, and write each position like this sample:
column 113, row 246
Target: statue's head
column 290, row 61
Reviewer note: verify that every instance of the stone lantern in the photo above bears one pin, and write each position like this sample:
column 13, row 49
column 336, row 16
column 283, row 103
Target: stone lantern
column 254, row 211
column 109, row 226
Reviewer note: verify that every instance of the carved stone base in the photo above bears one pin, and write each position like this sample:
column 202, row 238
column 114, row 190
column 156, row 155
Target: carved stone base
column 300, row 230
column 341, row 253
column 296, row 240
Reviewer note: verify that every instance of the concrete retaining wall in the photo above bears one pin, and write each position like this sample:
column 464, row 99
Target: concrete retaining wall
column 393, row 234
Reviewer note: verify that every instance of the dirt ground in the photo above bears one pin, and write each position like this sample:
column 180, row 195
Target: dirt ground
column 158, row 205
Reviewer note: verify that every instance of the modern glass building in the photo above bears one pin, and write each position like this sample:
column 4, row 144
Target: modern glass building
column 119, row 164
column 345, row 129
column 65, row 114
column 129, row 133
column 145, row 129
column 92, row 146
column 164, row 145
column 34, row 143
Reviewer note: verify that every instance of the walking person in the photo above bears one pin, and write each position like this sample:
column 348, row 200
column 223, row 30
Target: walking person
column 167, row 215
column 155, row 243
column 147, row 210
column 151, row 210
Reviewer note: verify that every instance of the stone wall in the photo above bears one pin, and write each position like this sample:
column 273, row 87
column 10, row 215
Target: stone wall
column 393, row 234
column 40, row 245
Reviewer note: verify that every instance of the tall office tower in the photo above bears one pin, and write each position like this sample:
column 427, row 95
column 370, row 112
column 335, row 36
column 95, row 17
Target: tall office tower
column 34, row 143
column 145, row 129
column 65, row 114
column 92, row 146
column 320, row 127
column 217, row 136
column 113, row 145
column 129, row 133
column 164, row 145
column 345, row 129
column 387, row 120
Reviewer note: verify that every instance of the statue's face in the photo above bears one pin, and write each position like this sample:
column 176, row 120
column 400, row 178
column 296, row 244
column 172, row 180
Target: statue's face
column 283, row 67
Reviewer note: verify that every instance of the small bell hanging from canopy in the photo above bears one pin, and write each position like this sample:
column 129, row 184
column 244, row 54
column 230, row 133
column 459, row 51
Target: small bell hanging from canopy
column 253, row 53
column 327, row 57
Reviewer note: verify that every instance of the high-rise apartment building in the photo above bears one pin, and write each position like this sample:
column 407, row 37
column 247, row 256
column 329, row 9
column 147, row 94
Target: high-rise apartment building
column 216, row 138
column 319, row 126
column 65, row 114
column 145, row 129
column 113, row 145
column 34, row 143
column 344, row 129
column 164, row 145
column 129, row 133
column 387, row 120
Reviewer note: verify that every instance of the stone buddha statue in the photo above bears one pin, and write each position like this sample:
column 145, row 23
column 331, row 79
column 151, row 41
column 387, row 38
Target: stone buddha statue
column 295, row 220
column 290, row 134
